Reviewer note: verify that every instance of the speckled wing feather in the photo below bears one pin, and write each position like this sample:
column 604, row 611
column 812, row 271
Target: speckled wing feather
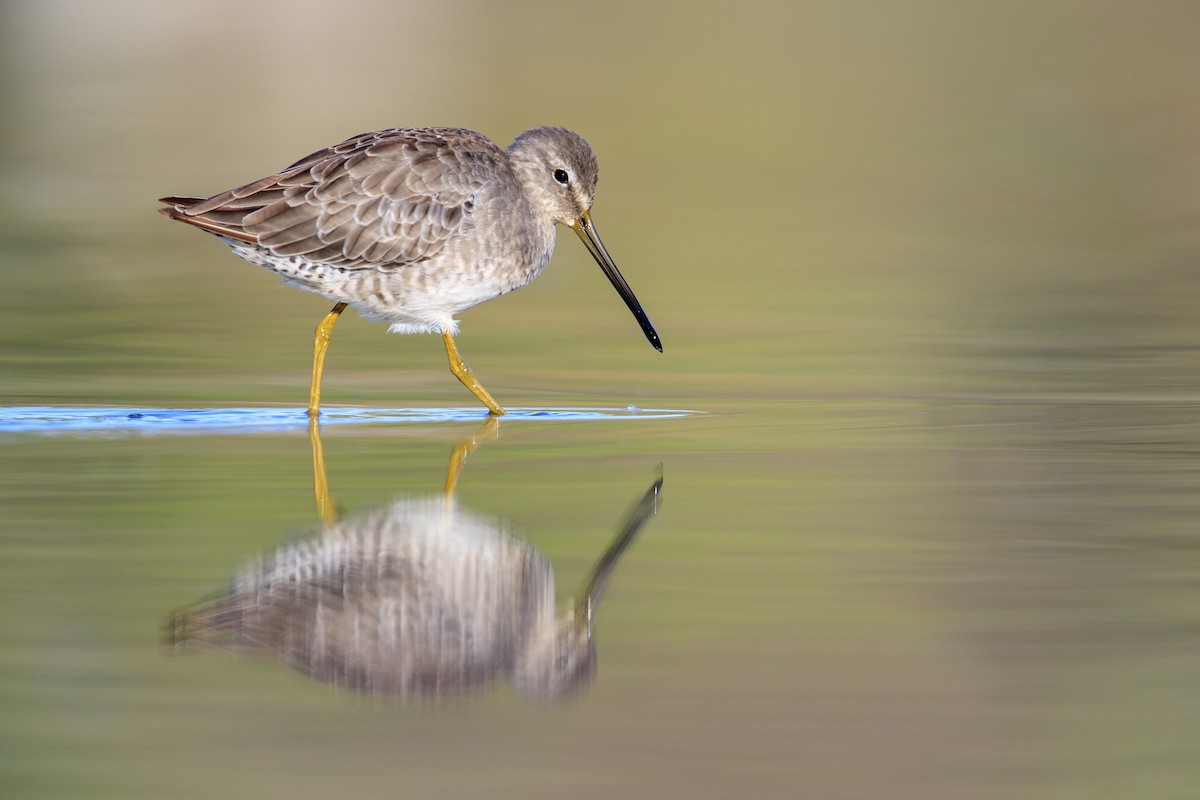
column 383, row 199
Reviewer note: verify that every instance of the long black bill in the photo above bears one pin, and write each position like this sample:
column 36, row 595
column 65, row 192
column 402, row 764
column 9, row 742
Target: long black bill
column 591, row 240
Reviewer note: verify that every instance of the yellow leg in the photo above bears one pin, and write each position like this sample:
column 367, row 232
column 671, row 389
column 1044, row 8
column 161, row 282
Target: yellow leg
column 458, row 456
column 464, row 374
column 325, row 508
column 320, row 345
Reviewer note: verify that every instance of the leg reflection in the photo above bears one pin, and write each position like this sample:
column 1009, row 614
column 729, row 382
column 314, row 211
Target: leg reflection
column 327, row 510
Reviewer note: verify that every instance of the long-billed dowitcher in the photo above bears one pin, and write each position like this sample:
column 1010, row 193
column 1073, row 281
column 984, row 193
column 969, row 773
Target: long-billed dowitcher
column 412, row 225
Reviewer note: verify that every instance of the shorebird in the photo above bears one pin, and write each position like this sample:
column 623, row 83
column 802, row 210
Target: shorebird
column 411, row 226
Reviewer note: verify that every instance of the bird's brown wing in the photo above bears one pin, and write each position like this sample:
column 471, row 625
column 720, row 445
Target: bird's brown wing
column 388, row 198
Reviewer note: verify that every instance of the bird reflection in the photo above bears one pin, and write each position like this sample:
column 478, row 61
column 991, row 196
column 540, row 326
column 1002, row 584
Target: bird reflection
column 419, row 599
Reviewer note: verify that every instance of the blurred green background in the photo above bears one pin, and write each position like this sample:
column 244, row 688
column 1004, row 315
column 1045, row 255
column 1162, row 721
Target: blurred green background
column 930, row 267
column 833, row 189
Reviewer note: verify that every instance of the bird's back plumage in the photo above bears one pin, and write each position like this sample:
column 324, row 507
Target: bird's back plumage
column 382, row 199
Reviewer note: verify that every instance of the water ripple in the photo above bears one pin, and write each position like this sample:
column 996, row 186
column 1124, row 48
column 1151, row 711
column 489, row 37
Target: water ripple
column 80, row 419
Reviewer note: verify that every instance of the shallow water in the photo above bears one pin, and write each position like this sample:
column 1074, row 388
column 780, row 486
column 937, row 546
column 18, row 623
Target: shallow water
column 54, row 420
column 963, row 595
column 927, row 415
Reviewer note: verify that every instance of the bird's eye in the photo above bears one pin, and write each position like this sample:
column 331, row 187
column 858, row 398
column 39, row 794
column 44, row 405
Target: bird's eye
column 561, row 176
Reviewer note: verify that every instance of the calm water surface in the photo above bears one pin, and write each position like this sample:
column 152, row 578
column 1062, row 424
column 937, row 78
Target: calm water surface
column 918, row 597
